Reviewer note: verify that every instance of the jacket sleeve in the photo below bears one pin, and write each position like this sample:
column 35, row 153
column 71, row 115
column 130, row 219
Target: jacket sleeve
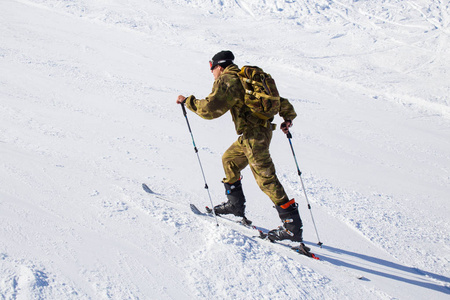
column 216, row 104
column 287, row 111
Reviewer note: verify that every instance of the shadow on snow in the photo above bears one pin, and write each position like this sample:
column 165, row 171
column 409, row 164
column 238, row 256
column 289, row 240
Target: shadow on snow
column 395, row 267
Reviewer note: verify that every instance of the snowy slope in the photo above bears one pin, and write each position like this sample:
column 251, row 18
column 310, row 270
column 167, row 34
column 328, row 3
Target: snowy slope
column 87, row 105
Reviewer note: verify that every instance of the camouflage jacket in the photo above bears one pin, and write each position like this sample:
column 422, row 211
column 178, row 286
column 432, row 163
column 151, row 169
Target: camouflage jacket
column 228, row 95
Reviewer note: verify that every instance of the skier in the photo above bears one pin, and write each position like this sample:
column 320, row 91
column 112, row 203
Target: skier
column 251, row 147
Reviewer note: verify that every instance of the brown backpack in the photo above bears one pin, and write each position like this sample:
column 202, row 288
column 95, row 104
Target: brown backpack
column 261, row 94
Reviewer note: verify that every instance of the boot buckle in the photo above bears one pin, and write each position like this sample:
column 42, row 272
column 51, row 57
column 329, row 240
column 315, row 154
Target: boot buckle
column 287, row 221
column 288, row 232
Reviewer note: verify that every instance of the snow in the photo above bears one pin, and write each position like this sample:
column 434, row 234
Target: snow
column 88, row 113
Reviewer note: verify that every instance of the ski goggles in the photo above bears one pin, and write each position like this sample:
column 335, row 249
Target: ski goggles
column 213, row 64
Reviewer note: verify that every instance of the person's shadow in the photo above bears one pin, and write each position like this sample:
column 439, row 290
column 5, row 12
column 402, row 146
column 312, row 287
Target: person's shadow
column 386, row 265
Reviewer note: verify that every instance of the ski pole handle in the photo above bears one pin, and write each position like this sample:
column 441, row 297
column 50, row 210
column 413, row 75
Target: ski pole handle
column 183, row 108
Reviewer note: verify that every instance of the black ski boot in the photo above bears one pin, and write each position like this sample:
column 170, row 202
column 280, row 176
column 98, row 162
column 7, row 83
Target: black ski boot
column 236, row 201
column 292, row 224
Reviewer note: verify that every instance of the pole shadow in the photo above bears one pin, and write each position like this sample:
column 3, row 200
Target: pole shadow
column 395, row 267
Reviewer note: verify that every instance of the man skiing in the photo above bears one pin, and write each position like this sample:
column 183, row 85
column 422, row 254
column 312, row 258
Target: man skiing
column 251, row 147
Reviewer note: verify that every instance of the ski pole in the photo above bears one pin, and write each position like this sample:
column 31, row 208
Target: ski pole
column 289, row 136
column 200, row 163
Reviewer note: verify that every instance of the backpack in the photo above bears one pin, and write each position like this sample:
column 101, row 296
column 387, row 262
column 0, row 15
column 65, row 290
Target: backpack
column 261, row 94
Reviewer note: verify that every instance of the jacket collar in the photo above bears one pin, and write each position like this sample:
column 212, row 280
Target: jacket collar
column 233, row 68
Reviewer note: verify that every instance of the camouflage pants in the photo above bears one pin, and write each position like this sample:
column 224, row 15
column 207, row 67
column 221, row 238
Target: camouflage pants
column 252, row 148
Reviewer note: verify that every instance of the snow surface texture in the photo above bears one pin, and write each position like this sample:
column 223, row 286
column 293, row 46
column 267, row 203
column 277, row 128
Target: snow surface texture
column 88, row 113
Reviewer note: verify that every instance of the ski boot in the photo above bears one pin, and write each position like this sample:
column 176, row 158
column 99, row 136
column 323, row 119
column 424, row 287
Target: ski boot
column 292, row 224
column 236, row 201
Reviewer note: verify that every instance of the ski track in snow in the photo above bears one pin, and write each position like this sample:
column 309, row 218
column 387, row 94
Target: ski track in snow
column 88, row 114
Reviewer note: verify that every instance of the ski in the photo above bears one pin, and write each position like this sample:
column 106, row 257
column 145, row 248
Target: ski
column 147, row 189
column 208, row 212
column 159, row 196
column 300, row 249
column 246, row 222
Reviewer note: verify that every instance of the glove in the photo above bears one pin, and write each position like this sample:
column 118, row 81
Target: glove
column 285, row 126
